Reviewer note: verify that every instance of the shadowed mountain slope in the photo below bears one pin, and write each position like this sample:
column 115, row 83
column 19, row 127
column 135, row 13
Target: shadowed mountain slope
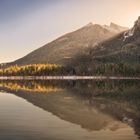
column 124, row 47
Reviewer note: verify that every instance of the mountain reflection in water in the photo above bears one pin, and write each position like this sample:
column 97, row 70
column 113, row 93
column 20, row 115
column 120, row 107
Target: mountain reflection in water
column 94, row 105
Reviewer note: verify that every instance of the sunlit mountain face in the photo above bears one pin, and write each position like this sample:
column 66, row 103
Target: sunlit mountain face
column 65, row 49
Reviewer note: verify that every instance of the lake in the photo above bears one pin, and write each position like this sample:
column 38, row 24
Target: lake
column 70, row 110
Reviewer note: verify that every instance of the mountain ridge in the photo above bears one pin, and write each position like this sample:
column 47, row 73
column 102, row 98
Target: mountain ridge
column 66, row 47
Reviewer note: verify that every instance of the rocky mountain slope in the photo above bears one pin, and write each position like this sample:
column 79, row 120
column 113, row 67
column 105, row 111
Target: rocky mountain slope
column 118, row 55
column 66, row 48
column 125, row 47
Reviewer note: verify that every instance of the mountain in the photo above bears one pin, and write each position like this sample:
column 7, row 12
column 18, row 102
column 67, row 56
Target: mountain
column 125, row 47
column 66, row 48
column 118, row 55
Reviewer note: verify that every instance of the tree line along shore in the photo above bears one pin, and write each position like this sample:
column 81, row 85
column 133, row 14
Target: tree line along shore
column 124, row 70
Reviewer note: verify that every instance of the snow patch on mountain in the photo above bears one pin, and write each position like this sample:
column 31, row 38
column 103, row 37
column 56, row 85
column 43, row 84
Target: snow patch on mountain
column 129, row 33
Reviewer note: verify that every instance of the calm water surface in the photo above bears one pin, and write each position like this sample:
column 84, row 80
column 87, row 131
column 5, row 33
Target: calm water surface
column 69, row 110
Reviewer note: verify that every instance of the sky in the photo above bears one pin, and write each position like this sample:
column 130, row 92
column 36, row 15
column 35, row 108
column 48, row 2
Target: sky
column 26, row 25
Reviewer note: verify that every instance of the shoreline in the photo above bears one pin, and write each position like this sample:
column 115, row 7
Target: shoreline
column 68, row 78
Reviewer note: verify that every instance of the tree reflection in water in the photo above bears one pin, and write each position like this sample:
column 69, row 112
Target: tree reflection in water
column 94, row 105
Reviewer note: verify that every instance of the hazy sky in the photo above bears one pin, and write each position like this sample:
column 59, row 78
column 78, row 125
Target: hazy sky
column 26, row 25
